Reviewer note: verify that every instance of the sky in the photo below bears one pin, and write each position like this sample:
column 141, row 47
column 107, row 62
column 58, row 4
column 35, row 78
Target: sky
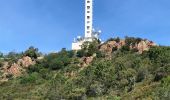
column 52, row 24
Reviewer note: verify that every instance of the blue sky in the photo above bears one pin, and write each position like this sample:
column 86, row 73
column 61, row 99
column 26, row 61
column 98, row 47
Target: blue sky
column 52, row 24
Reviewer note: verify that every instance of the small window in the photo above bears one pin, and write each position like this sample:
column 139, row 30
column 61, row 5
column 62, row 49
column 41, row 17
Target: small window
column 88, row 7
column 88, row 21
column 88, row 31
column 88, row 11
column 88, row 17
column 88, row 27
column 88, row 1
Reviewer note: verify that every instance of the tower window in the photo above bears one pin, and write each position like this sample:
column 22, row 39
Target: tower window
column 88, row 11
column 88, row 1
column 88, row 17
column 88, row 7
column 88, row 27
column 88, row 31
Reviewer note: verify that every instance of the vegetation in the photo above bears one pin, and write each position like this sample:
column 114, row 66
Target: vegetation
column 89, row 48
column 32, row 52
column 126, row 76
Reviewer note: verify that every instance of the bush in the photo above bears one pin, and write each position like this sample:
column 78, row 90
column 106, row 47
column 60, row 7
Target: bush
column 9, row 76
column 56, row 61
column 56, row 64
column 34, row 68
column 163, row 91
column 12, row 57
column 32, row 52
column 29, row 79
column 1, row 63
column 88, row 49
column 131, row 40
column 114, row 39
column 159, row 56
column 80, row 53
column 125, row 48
column 100, row 54
column 70, row 54
column 95, row 90
column 1, row 55
column 140, row 76
column 114, row 49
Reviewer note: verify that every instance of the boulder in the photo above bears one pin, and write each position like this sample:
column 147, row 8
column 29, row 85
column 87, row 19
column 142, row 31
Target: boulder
column 14, row 70
column 25, row 62
column 142, row 46
column 107, row 47
column 85, row 61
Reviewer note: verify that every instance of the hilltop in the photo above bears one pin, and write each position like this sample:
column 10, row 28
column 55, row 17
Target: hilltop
column 118, row 69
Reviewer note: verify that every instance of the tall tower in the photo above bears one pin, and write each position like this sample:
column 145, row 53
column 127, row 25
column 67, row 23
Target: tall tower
column 88, row 19
column 90, row 34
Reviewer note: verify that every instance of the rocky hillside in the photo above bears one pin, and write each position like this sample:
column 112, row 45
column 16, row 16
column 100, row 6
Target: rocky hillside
column 15, row 65
column 15, row 69
column 119, row 69
column 139, row 45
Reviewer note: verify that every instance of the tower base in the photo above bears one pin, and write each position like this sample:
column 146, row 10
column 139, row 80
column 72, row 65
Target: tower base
column 76, row 45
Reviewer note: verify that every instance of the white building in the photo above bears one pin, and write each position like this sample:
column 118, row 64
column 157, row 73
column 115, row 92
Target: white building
column 90, row 33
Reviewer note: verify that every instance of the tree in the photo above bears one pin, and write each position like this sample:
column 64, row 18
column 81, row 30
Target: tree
column 80, row 53
column 12, row 57
column 32, row 52
column 88, row 48
column 114, row 39
column 29, row 79
column 159, row 55
column 56, row 64
column 1, row 55
column 163, row 91
column 131, row 40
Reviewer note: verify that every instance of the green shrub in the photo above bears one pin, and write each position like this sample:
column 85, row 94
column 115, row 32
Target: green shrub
column 56, row 64
column 80, row 53
column 100, row 54
column 132, row 41
column 29, row 79
column 88, row 49
column 114, row 39
column 32, row 52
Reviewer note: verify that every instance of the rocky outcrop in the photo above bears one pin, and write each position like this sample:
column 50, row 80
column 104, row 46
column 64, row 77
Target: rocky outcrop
column 15, row 69
column 86, row 61
column 25, row 62
column 107, row 47
column 142, row 46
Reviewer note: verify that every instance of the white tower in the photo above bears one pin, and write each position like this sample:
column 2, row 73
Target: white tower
column 90, row 34
column 88, row 19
